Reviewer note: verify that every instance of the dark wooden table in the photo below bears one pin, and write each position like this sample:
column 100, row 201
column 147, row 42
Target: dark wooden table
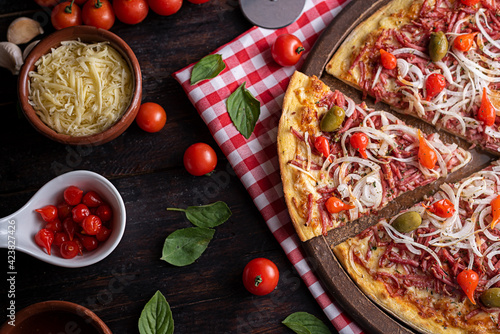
column 205, row 297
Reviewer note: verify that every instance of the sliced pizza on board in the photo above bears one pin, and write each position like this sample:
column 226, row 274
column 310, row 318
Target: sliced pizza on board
column 435, row 60
column 437, row 265
column 340, row 161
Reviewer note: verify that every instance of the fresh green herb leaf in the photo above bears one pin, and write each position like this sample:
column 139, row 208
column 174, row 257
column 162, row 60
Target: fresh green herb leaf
column 184, row 246
column 207, row 68
column 244, row 110
column 156, row 317
column 210, row 215
column 305, row 323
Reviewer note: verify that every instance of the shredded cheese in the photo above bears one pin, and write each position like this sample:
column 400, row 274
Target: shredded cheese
column 81, row 89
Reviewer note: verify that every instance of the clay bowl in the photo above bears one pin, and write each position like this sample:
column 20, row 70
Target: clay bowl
column 86, row 34
column 55, row 316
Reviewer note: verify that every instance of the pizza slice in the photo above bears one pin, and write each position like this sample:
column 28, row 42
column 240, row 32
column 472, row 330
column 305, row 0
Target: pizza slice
column 340, row 161
column 435, row 60
column 437, row 265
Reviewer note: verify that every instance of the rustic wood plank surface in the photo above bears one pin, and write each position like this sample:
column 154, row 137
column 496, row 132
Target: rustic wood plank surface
column 205, row 297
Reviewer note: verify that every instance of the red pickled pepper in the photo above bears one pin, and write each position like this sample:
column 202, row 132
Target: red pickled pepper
column 335, row 205
column 359, row 141
column 486, row 112
column 442, row 208
column 388, row 60
column 426, row 155
column 468, row 280
column 495, row 211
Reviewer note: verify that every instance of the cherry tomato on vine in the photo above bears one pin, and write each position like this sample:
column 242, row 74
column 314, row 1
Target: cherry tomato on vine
column 468, row 280
column 73, row 195
column 104, row 212
column 91, row 225
column 44, row 239
column 165, row 7
column 92, row 199
column 131, row 11
column 322, row 145
column 151, row 117
column 495, row 211
column 426, row 155
column 198, row 1
column 48, row 213
column 359, row 141
column 388, row 60
column 69, row 249
column 260, row 276
column 66, row 14
column 200, row 159
column 80, row 212
column 287, row 50
column 464, row 42
column 470, row 2
column 335, row 205
column 442, row 208
column 98, row 13
column 434, row 84
column 486, row 112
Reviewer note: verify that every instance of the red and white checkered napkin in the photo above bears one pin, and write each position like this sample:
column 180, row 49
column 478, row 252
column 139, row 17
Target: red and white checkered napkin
column 255, row 161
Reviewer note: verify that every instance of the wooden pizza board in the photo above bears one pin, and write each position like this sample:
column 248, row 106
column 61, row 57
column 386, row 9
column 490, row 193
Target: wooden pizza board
column 361, row 309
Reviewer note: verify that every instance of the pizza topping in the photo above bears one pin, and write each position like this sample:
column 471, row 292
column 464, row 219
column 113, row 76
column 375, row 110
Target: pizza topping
column 464, row 42
column 486, row 113
column 434, row 84
column 359, row 141
column 387, row 60
column 470, row 2
column 321, row 144
column 333, row 119
column 495, row 211
column 438, row 46
column 491, row 297
column 407, row 222
column 426, row 155
column 468, row 280
column 442, row 208
column 335, row 205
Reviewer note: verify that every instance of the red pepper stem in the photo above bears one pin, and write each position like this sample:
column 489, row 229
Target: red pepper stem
column 69, row 8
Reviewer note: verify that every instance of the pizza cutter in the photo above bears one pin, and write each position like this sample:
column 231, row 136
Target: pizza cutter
column 272, row 14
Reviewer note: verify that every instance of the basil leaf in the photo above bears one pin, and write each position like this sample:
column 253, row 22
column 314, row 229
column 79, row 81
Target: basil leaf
column 207, row 68
column 244, row 110
column 305, row 323
column 156, row 317
column 210, row 215
column 184, row 246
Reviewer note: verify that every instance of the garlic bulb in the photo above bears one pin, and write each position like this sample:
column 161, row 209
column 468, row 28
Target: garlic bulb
column 23, row 29
column 11, row 57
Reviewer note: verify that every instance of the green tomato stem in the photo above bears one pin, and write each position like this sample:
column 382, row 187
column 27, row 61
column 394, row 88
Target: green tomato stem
column 69, row 8
column 258, row 280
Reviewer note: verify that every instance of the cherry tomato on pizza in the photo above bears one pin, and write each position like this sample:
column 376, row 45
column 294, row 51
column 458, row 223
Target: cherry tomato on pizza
column 131, row 11
column 388, row 60
column 287, row 50
column 434, row 84
column 98, row 13
column 486, row 113
column 151, row 117
column 468, row 280
column 165, row 7
column 260, row 276
column 200, row 159
column 66, row 14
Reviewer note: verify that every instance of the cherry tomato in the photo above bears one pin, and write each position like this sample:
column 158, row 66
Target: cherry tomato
column 80, row 212
column 470, row 2
column 66, row 14
column 47, row 3
column 359, row 141
column 151, row 117
column 44, row 239
column 486, row 113
column 131, row 11
column 426, row 155
column 200, row 159
column 322, row 145
column 165, row 7
column 468, row 280
column 434, row 84
column 59, row 238
column 98, row 13
column 335, row 205
column 388, row 60
column 103, row 234
column 104, row 212
column 48, row 213
column 92, row 199
column 73, row 195
column 54, row 226
column 495, row 211
column 260, row 276
column 69, row 226
column 287, row 50
column 464, row 42
column 64, row 210
column 91, row 225
column 89, row 243
column 442, row 208
column 69, row 249
column 198, row 1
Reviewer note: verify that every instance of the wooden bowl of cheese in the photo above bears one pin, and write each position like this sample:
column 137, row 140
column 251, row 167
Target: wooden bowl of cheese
column 81, row 86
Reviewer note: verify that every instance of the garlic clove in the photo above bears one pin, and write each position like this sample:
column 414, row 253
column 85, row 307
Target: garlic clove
column 23, row 29
column 11, row 57
column 28, row 49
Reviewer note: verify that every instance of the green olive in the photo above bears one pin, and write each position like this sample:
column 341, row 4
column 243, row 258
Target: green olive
column 438, row 46
column 491, row 297
column 407, row 222
column 333, row 119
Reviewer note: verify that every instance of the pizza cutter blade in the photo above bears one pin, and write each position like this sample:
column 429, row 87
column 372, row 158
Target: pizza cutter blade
column 272, row 14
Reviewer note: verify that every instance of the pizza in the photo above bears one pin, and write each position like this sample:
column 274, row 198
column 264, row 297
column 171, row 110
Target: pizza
column 437, row 265
column 435, row 60
column 340, row 161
